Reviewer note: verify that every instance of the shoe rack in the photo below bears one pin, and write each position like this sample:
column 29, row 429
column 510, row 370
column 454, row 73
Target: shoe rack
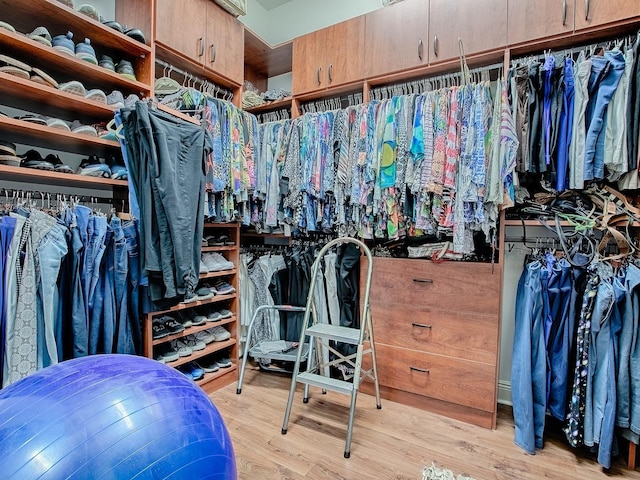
column 17, row 92
column 228, row 348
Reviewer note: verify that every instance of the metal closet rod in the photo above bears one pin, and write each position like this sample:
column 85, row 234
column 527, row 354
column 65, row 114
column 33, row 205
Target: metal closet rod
column 333, row 103
column 9, row 195
column 190, row 76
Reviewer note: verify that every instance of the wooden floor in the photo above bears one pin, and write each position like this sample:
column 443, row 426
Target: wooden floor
column 393, row 443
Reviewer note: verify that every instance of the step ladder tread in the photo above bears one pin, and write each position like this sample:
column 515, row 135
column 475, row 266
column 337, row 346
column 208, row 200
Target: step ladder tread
column 335, row 332
column 328, row 383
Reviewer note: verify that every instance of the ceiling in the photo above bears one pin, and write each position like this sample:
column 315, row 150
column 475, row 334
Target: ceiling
column 271, row 4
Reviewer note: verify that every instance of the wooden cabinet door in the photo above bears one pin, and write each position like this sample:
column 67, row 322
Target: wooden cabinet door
column 534, row 19
column 397, row 37
column 182, row 25
column 344, row 59
column 308, row 62
column 591, row 13
column 224, row 44
column 481, row 26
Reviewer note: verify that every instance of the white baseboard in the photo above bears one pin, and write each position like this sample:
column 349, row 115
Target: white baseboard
column 504, row 392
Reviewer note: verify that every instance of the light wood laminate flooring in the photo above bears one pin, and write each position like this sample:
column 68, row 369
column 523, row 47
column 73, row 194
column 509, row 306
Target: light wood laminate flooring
column 393, row 443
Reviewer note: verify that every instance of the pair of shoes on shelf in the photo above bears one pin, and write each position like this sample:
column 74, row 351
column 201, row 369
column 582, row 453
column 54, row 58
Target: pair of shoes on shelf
column 117, row 100
column 33, row 159
column 64, row 44
column 191, row 371
column 190, row 318
column 214, row 334
column 164, row 326
column 215, row 262
column 218, row 241
column 93, row 167
column 8, row 154
column 212, row 363
column 200, row 294
column 134, row 33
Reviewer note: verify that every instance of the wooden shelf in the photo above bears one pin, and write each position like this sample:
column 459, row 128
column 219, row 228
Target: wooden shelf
column 29, row 133
column 224, row 248
column 24, row 94
column 61, row 19
column 221, row 273
column 64, row 67
column 220, row 225
column 208, row 350
column 281, row 104
column 193, row 329
column 182, row 306
column 23, row 174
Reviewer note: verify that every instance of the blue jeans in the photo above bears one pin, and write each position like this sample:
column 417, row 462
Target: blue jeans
column 101, row 321
column 528, row 368
column 565, row 129
column 130, row 231
column 628, row 336
column 123, row 332
column 605, row 75
column 51, row 252
column 7, row 229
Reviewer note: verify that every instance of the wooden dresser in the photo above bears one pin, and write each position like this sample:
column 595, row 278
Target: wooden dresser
column 437, row 335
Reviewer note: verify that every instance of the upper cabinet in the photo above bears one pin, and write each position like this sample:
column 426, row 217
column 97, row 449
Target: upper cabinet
column 536, row 19
column 591, row 13
column 203, row 32
column 481, row 25
column 329, row 57
column 397, row 37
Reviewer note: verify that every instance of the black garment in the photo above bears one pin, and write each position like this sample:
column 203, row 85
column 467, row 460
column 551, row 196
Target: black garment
column 348, row 283
column 633, row 109
column 536, row 152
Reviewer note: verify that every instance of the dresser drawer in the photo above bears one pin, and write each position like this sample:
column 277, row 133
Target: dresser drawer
column 445, row 378
column 454, row 286
column 461, row 335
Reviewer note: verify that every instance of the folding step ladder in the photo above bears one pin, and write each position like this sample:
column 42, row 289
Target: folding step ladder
column 320, row 334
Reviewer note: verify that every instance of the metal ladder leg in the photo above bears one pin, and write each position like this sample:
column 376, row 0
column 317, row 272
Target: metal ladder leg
column 374, row 364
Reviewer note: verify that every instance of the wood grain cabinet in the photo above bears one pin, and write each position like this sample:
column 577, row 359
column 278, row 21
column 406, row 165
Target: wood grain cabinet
column 436, row 330
column 536, row 19
column 592, row 13
column 481, row 25
column 397, row 37
column 203, row 32
column 329, row 57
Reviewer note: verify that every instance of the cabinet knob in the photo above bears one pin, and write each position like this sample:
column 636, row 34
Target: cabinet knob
column 564, row 12
column 420, row 325
column 435, row 45
column 201, row 46
column 212, row 53
column 318, row 74
column 330, row 73
column 420, row 49
column 419, row 370
column 423, row 280
column 587, row 7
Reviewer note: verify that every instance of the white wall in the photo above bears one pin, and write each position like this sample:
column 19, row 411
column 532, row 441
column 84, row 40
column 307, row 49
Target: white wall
column 296, row 18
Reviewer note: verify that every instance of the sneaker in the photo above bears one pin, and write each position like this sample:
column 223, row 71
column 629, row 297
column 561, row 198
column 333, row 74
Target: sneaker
column 58, row 123
column 172, row 324
column 214, row 241
column 68, row 3
column 165, row 353
column 209, row 365
column 183, row 319
column 32, row 118
column 131, row 100
column 220, row 334
column 117, row 168
column 80, row 128
column 7, row 148
column 96, row 95
column 224, row 362
column 197, row 318
column 203, row 268
column 92, row 167
column 191, row 371
column 204, row 293
column 85, row 52
column 205, row 336
column 224, row 288
column 58, row 166
column 159, row 329
column 107, row 62
column 42, row 77
column 214, row 316
column 33, row 159
column 194, row 343
column 64, row 44
column 136, row 34
column 73, row 87
column 182, row 348
column 116, row 99
column 189, row 297
column 216, row 262
column 113, row 24
column 125, row 69
column 224, row 313
column 41, row 35
column 7, row 26
column 89, row 11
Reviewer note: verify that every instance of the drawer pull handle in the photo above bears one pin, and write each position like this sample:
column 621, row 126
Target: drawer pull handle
column 318, row 75
column 587, row 7
column 419, row 370
column 420, row 49
column 420, row 325
column 435, row 45
column 201, row 46
column 330, row 73
column 423, row 280
column 212, row 53
column 564, row 12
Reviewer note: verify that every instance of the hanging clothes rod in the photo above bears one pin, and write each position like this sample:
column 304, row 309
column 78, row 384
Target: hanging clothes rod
column 8, row 195
column 334, row 103
column 227, row 94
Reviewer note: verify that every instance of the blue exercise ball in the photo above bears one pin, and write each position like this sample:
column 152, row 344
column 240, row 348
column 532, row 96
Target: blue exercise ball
column 111, row 417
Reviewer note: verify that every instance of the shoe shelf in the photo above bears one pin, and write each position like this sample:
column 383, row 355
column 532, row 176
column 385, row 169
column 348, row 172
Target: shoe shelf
column 17, row 92
column 183, row 306
column 221, row 273
column 219, row 375
column 226, row 248
column 33, row 175
column 194, row 329
column 64, row 67
column 212, row 347
column 282, row 104
column 60, row 19
column 29, row 133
